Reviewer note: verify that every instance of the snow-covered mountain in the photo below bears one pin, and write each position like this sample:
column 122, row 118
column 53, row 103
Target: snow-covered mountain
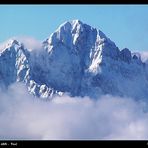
column 77, row 59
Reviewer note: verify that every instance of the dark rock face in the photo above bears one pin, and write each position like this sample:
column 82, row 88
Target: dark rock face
column 125, row 55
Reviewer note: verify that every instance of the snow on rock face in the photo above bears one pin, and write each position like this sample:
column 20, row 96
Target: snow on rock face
column 77, row 59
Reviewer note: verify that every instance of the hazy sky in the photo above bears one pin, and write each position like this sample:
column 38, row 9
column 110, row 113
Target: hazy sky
column 126, row 25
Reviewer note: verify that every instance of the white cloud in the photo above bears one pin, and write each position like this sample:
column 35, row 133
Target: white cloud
column 30, row 42
column 144, row 55
column 25, row 117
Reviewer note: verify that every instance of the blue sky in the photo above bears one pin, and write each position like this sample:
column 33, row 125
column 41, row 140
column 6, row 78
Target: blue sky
column 126, row 25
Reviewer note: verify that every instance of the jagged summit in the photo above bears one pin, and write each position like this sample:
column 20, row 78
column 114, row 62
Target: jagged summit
column 12, row 42
column 71, row 22
column 76, row 21
column 75, row 33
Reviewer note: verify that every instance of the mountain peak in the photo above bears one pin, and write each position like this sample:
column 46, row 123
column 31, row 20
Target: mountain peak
column 13, row 42
column 76, row 35
column 76, row 22
column 72, row 22
column 12, row 45
column 70, row 25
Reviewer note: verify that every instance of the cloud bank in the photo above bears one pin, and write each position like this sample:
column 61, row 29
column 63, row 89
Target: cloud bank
column 25, row 117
